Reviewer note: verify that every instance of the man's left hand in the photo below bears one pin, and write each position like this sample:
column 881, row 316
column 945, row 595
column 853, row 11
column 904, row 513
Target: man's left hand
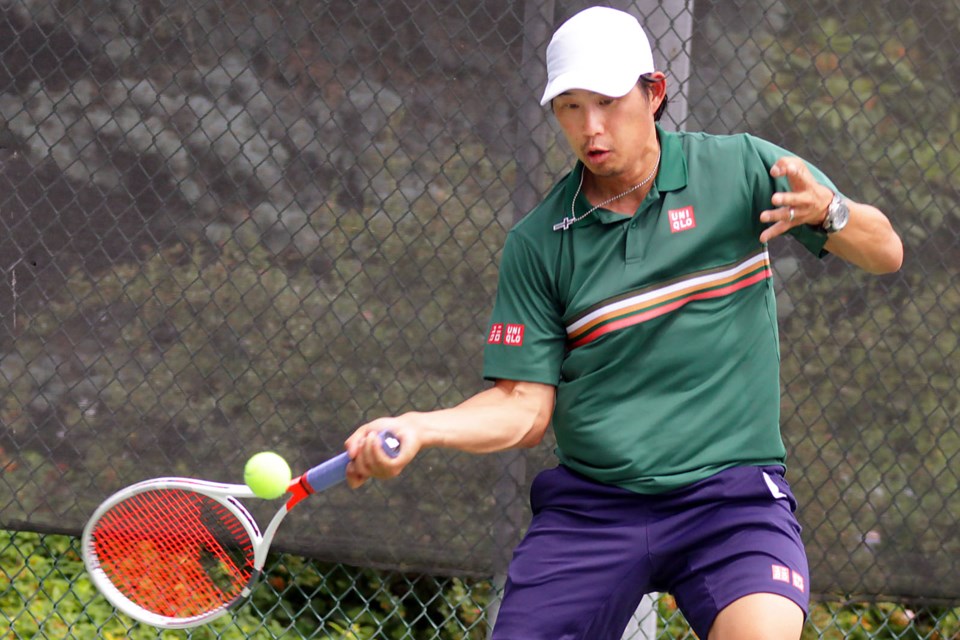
column 805, row 203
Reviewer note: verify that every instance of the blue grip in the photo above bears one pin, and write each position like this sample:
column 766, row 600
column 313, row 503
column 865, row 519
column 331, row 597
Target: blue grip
column 334, row 471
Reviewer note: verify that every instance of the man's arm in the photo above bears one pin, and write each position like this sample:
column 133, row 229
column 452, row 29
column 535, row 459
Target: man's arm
column 508, row 415
column 868, row 241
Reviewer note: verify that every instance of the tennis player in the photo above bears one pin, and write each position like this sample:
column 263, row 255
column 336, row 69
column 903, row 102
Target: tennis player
column 636, row 313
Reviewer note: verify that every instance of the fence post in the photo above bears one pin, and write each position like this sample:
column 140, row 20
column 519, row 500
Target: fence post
column 531, row 133
column 643, row 624
column 669, row 30
column 531, row 143
column 669, row 25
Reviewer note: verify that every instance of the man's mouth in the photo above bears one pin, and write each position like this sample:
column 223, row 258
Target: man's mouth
column 597, row 155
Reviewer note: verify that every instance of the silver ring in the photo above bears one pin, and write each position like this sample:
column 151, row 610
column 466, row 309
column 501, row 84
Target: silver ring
column 792, row 215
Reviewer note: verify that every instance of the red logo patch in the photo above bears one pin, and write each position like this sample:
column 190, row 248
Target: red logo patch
column 784, row 574
column 780, row 573
column 681, row 219
column 797, row 580
column 496, row 334
column 514, row 335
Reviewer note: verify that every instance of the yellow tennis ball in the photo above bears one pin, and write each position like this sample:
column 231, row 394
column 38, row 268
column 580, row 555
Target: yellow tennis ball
column 267, row 474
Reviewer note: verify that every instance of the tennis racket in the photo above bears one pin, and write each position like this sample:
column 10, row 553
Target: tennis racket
column 177, row 553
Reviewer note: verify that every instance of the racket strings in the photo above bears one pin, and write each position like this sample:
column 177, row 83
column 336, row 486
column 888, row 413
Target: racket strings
column 175, row 553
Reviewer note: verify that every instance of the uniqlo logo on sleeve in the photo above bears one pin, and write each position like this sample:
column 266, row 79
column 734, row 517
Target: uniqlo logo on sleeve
column 780, row 573
column 514, row 335
column 496, row 334
column 681, row 219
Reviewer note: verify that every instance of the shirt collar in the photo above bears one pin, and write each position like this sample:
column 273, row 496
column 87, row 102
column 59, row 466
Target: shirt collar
column 671, row 176
column 673, row 164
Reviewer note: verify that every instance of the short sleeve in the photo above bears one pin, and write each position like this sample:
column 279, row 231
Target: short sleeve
column 526, row 339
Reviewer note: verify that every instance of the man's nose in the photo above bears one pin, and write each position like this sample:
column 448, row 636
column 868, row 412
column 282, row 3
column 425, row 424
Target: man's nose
column 592, row 122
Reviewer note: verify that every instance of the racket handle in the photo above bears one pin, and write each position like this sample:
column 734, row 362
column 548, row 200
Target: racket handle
column 334, row 471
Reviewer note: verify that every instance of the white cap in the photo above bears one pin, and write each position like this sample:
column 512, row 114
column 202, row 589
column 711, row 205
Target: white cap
column 600, row 49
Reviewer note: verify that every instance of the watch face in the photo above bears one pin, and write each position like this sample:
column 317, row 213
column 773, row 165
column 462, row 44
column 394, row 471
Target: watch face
column 837, row 215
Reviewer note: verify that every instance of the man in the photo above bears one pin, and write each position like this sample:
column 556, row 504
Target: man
column 636, row 314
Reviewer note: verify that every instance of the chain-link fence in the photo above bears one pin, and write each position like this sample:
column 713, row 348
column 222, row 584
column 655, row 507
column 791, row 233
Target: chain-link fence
column 234, row 226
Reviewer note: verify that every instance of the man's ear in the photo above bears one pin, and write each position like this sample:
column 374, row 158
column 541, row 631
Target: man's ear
column 657, row 85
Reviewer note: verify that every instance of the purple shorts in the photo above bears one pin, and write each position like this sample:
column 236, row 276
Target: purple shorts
column 593, row 551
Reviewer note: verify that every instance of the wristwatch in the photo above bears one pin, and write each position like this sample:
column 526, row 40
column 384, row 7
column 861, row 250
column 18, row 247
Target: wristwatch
column 838, row 215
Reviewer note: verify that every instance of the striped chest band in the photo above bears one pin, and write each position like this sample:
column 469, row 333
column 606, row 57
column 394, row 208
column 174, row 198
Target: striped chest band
column 635, row 307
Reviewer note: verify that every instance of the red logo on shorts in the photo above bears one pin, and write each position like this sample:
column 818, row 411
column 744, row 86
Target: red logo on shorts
column 496, row 334
column 681, row 219
column 514, row 335
column 797, row 580
column 784, row 574
column 780, row 574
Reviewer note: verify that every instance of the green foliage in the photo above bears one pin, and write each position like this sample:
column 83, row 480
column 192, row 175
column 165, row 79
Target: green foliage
column 863, row 91
column 870, row 365
column 208, row 344
column 45, row 593
column 871, row 430
column 838, row 620
column 261, row 347
column 316, row 597
column 873, row 621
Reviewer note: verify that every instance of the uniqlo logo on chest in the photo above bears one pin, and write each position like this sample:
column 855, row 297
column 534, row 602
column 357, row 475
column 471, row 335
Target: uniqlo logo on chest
column 496, row 334
column 514, row 335
column 681, row 219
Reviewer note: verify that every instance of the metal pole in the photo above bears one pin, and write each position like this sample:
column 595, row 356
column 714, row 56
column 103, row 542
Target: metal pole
column 531, row 145
column 669, row 25
column 532, row 130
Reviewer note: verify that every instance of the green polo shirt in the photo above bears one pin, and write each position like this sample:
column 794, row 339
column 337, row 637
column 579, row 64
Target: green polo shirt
column 659, row 329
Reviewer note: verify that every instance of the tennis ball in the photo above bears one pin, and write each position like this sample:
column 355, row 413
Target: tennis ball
column 267, row 474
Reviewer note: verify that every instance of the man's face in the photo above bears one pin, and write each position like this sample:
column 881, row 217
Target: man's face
column 609, row 135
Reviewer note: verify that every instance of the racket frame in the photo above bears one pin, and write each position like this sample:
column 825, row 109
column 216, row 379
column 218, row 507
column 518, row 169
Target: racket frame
column 314, row 480
column 225, row 494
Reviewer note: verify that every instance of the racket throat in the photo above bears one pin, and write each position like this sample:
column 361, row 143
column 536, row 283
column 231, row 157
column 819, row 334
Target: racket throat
column 298, row 490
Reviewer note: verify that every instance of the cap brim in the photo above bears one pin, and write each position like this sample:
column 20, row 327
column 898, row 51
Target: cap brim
column 612, row 87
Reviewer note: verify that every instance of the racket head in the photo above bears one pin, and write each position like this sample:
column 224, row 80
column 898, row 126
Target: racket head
column 173, row 552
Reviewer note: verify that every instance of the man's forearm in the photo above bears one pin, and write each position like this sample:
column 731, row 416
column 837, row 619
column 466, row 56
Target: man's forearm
column 505, row 416
column 868, row 241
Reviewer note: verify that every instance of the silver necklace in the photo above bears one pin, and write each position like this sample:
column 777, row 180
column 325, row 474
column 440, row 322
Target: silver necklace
column 566, row 223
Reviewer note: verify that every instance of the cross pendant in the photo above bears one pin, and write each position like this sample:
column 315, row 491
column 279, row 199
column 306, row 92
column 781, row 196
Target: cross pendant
column 565, row 224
